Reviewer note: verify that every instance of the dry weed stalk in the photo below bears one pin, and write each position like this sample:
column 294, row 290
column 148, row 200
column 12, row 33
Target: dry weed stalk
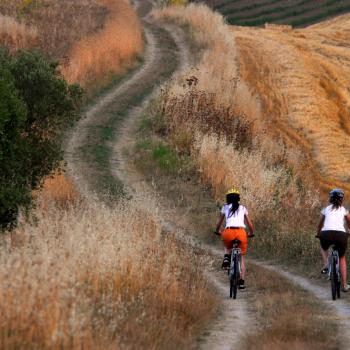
column 97, row 277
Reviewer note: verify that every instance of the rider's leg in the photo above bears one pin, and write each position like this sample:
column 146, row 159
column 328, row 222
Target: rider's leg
column 325, row 255
column 342, row 265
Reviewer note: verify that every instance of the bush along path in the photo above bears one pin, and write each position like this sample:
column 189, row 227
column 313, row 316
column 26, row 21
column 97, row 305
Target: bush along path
column 96, row 160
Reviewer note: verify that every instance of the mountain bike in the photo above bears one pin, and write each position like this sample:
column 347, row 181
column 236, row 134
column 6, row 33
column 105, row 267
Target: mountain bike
column 235, row 269
column 334, row 273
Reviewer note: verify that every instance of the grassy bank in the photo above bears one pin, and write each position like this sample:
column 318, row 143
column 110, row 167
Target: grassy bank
column 94, row 40
column 79, row 274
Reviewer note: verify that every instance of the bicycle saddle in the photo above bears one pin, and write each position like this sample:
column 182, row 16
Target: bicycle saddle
column 236, row 242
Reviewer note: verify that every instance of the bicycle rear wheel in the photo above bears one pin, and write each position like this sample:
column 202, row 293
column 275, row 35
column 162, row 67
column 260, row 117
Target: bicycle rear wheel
column 338, row 279
column 334, row 279
column 234, row 279
column 338, row 288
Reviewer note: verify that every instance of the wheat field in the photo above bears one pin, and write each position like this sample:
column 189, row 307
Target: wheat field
column 301, row 77
column 290, row 12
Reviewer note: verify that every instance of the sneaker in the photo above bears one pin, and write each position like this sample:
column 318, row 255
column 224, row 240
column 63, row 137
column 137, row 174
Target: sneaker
column 241, row 284
column 226, row 262
column 346, row 288
column 324, row 271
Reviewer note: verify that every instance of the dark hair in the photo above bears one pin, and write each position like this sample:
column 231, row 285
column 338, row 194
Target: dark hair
column 336, row 202
column 233, row 198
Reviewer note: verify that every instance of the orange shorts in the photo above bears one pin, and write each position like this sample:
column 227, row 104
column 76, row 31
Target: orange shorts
column 229, row 234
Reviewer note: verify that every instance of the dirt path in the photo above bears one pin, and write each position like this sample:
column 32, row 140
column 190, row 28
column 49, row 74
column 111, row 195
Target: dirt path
column 219, row 334
column 88, row 146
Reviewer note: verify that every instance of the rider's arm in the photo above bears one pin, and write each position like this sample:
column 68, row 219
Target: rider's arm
column 249, row 224
column 320, row 225
column 219, row 222
column 347, row 219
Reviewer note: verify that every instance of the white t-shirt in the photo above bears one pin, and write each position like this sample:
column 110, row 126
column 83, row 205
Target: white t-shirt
column 236, row 219
column 334, row 218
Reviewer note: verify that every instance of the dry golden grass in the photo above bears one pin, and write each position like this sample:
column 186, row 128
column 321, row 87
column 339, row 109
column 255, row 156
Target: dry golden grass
column 302, row 79
column 60, row 24
column 58, row 189
column 16, row 35
column 108, row 51
column 93, row 39
column 275, row 300
column 96, row 277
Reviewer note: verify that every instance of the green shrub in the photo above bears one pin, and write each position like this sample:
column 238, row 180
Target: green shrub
column 13, row 180
column 36, row 106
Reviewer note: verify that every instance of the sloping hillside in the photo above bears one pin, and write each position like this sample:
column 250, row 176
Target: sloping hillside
column 293, row 12
column 302, row 77
column 91, row 39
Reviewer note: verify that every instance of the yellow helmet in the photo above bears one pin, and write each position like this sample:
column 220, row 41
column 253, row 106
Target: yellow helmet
column 232, row 191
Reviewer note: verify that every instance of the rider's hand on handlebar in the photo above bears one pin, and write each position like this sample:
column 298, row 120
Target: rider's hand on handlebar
column 251, row 235
column 217, row 233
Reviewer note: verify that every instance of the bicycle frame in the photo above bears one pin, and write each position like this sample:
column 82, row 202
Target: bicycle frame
column 236, row 252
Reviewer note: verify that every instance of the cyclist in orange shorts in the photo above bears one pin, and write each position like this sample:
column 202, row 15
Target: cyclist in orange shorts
column 236, row 218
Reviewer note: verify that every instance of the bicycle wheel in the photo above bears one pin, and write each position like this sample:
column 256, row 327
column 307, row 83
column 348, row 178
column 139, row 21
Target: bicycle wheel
column 338, row 278
column 234, row 279
column 334, row 278
column 338, row 288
